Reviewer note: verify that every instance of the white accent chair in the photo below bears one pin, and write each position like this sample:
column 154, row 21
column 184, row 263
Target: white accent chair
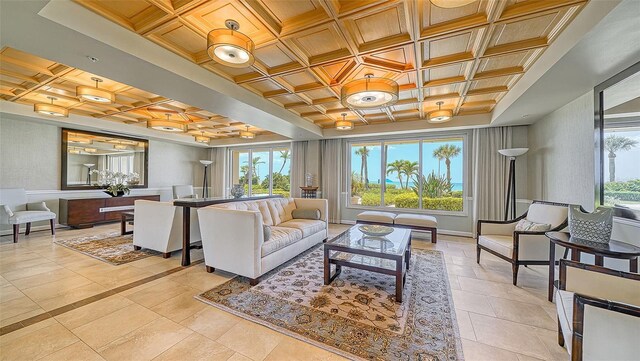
column 233, row 234
column 598, row 312
column 183, row 191
column 15, row 210
column 158, row 226
column 522, row 247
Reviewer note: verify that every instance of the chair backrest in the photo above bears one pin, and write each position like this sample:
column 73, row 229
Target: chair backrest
column 15, row 199
column 551, row 213
column 183, row 191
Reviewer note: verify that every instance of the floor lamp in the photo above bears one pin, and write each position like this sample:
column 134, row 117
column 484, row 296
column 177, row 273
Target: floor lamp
column 205, row 183
column 512, row 154
column 89, row 166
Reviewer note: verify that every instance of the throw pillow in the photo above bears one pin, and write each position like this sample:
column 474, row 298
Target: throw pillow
column 302, row 213
column 267, row 232
column 528, row 226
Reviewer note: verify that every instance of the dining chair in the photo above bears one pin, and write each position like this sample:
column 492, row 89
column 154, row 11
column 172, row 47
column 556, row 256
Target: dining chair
column 14, row 211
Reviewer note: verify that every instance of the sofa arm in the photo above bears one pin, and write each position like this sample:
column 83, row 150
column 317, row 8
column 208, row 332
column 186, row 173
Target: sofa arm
column 503, row 228
column 7, row 211
column 38, row 206
column 314, row 203
column 232, row 240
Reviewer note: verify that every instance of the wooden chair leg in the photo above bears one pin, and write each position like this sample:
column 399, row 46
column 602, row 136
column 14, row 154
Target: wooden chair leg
column 16, row 230
column 28, row 230
column 210, row 269
column 514, row 268
column 53, row 226
column 254, row 281
column 137, row 248
column 434, row 235
column 560, row 335
column 166, row 255
column 478, row 250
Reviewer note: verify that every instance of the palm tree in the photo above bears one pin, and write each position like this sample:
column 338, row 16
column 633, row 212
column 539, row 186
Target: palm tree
column 410, row 169
column 438, row 154
column 396, row 166
column 447, row 152
column 284, row 154
column 364, row 171
column 614, row 144
column 254, row 165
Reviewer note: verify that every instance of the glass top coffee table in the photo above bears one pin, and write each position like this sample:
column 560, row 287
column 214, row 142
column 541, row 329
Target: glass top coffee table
column 388, row 255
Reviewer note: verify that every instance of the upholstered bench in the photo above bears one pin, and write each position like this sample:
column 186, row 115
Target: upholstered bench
column 412, row 221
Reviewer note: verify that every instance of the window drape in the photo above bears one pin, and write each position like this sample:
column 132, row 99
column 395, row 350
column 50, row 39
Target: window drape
column 298, row 166
column 331, row 153
column 218, row 171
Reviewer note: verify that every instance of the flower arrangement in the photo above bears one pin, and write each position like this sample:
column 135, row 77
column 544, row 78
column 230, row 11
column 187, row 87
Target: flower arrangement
column 116, row 183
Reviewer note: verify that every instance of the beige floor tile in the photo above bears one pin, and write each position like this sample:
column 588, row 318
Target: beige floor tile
column 36, row 269
column 550, row 339
column 196, row 277
column 476, row 351
column 180, row 307
column 18, row 306
column 160, row 292
column 497, row 289
column 38, row 344
column 20, row 317
column 457, row 270
column 10, row 292
column 211, row 322
column 10, row 337
column 115, row 275
column 529, row 358
column 473, row 302
column 464, row 325
column 93, row 311
column 146, row 342
column 251, row 340
column 238, row 357
column 56, row 288
column 72, row 296
column 290, row 349
column 77, row 351
column 44, row 278
column 108, row 328
column 508, row 335
column 521, row 312
column 196, row 348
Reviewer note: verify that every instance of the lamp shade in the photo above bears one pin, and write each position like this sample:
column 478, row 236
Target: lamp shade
column 369, row 93
column 246, row 134
column 205, row 162
column 230, row 47
column 202, row 139
column 449, row 4
column 166, row 126
column 513, row 152
column 95, row 94
column 51, row 109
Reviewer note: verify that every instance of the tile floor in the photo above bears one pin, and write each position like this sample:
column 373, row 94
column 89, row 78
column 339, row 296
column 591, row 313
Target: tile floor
column 160, row 320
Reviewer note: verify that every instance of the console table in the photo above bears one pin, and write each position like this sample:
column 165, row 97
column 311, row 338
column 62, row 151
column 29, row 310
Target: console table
column 87, row 212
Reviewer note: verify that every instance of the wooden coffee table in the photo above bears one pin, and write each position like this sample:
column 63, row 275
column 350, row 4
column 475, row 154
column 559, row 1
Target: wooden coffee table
column 388, row 255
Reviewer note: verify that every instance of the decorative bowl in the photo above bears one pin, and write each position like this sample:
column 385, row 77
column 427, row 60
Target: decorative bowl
column 375, row 230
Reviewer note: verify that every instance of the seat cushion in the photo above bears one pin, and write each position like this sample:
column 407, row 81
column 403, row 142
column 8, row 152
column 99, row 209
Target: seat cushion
column 30, row 216
column 260, row 206
column 281, row 237
column 498, row 243
column 307, row 226
column 547, row 214
column 564, row 309
column 417, row 220
column 281, row 209
column 377, row 217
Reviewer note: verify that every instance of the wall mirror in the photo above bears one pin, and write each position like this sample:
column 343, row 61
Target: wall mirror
column 617, row 138
column 88, row 158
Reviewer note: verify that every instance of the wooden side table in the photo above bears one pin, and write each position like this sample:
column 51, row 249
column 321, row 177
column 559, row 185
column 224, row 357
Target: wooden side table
column 309, row 192
column 615, row 249
column 125, row 218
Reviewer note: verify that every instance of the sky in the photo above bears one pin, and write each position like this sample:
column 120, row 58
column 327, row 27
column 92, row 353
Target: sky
column 263, row 168
column 626, row 161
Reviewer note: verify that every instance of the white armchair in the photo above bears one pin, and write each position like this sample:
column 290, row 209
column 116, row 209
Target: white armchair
column 158, row 226
column 522, row 247
column 183, row 191
column 15, row 210
column 598, row 312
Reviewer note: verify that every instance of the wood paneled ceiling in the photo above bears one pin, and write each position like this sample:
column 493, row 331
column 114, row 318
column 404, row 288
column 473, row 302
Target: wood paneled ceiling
column 468, row 57
column 28, row 79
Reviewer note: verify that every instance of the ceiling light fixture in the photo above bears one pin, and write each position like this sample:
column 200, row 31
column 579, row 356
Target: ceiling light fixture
column 95, row 94
column 120, row 147
column 166, row 125
column 90, row 150
column 246, row 134
column 450, row 4
column 440, row 115
column 344, row 124
column 202, row 139
column 51, row 109
column 230, row 47
column 369, row 93
column 74, row 151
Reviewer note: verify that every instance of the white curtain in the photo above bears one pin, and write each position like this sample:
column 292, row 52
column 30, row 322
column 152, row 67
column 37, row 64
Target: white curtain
column 490, row 172
column 331, row 153
column 218, row 171
column 298, row 166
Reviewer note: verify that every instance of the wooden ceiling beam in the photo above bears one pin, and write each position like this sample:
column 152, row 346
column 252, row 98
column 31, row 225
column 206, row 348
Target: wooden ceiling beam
column 448, row 59
column 25, row 65
column 495, row 89
column 445, row 81
column 513, row 70
column 516, row 47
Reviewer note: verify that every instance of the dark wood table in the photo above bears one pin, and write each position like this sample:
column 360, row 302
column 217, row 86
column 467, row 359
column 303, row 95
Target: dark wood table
column 189, row 203
column 388, row 255
column 126, row 217
column 614, row 249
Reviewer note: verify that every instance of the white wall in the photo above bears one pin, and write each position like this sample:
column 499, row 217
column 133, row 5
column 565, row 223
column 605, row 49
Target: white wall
column 30, row 159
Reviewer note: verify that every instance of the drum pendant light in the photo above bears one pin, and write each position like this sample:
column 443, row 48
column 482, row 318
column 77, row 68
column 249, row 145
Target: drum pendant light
column 95, row 94
column 51, row 109
column 369, row 93
column 230, row 47
column 440, row 115
column 344, row 124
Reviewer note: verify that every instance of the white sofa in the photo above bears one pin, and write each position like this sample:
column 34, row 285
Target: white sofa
column 233, row 234
column 158, row 226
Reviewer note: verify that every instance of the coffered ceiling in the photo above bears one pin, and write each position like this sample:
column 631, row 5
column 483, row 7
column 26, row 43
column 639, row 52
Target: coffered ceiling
column 468, row 57
column 28, row 79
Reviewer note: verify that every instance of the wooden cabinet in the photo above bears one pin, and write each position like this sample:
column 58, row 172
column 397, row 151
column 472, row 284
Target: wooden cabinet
column 85, row 212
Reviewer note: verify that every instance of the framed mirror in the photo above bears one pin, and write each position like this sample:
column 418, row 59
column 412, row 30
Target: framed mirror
column 617, row 143
column 88, row 158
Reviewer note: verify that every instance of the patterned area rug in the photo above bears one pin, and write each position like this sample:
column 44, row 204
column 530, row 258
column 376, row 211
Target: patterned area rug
column 355, row 316
column 111, row 248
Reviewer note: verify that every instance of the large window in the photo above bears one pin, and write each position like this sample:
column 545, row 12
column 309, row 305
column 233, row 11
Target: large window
column 420, row 173
column 262, row 171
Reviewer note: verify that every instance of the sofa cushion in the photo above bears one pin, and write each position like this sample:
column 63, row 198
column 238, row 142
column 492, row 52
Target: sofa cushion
column 376, row 217
column 281, row 237
column 281, row 209
column 498, row 243
column 418, row 220
column 306, row 213
column 259, row 206
column 547, row 214
column 564, row 309
column 307, row 226
column 30, row 216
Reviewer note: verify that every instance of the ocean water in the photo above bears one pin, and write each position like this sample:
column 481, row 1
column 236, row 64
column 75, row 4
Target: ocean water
column 456, row 186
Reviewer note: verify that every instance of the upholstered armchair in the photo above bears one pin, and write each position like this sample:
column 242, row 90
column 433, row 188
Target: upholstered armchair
column 158, row 226
column 598, row 312
column 501, row 239
column 15, row 210
column 183, row 191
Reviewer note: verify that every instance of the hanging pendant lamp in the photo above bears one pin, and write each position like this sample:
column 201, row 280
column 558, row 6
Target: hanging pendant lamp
column 230, row 47
column 246, row 134
column 450, row 4
column 51, row 109
column 344, row 124
column 202, row 139
column 166, row 125
column 440, row 115
column 95, row 94
column 369, row 93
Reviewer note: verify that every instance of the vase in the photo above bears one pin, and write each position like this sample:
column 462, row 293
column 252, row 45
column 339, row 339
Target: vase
column 594, row 227
column 119, row 194
column 237, row 191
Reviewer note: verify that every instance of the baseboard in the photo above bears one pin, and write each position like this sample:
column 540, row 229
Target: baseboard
column 440, row 231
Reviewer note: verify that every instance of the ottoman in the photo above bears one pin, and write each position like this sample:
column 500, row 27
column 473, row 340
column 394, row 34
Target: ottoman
column 418, row 222
column 375, row 217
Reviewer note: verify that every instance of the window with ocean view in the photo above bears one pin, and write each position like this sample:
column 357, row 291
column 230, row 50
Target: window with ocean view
column 423, row 173
column 268, row 170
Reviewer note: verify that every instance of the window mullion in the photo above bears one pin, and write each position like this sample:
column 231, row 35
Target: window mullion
column 420, row 177
column 383, row 172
